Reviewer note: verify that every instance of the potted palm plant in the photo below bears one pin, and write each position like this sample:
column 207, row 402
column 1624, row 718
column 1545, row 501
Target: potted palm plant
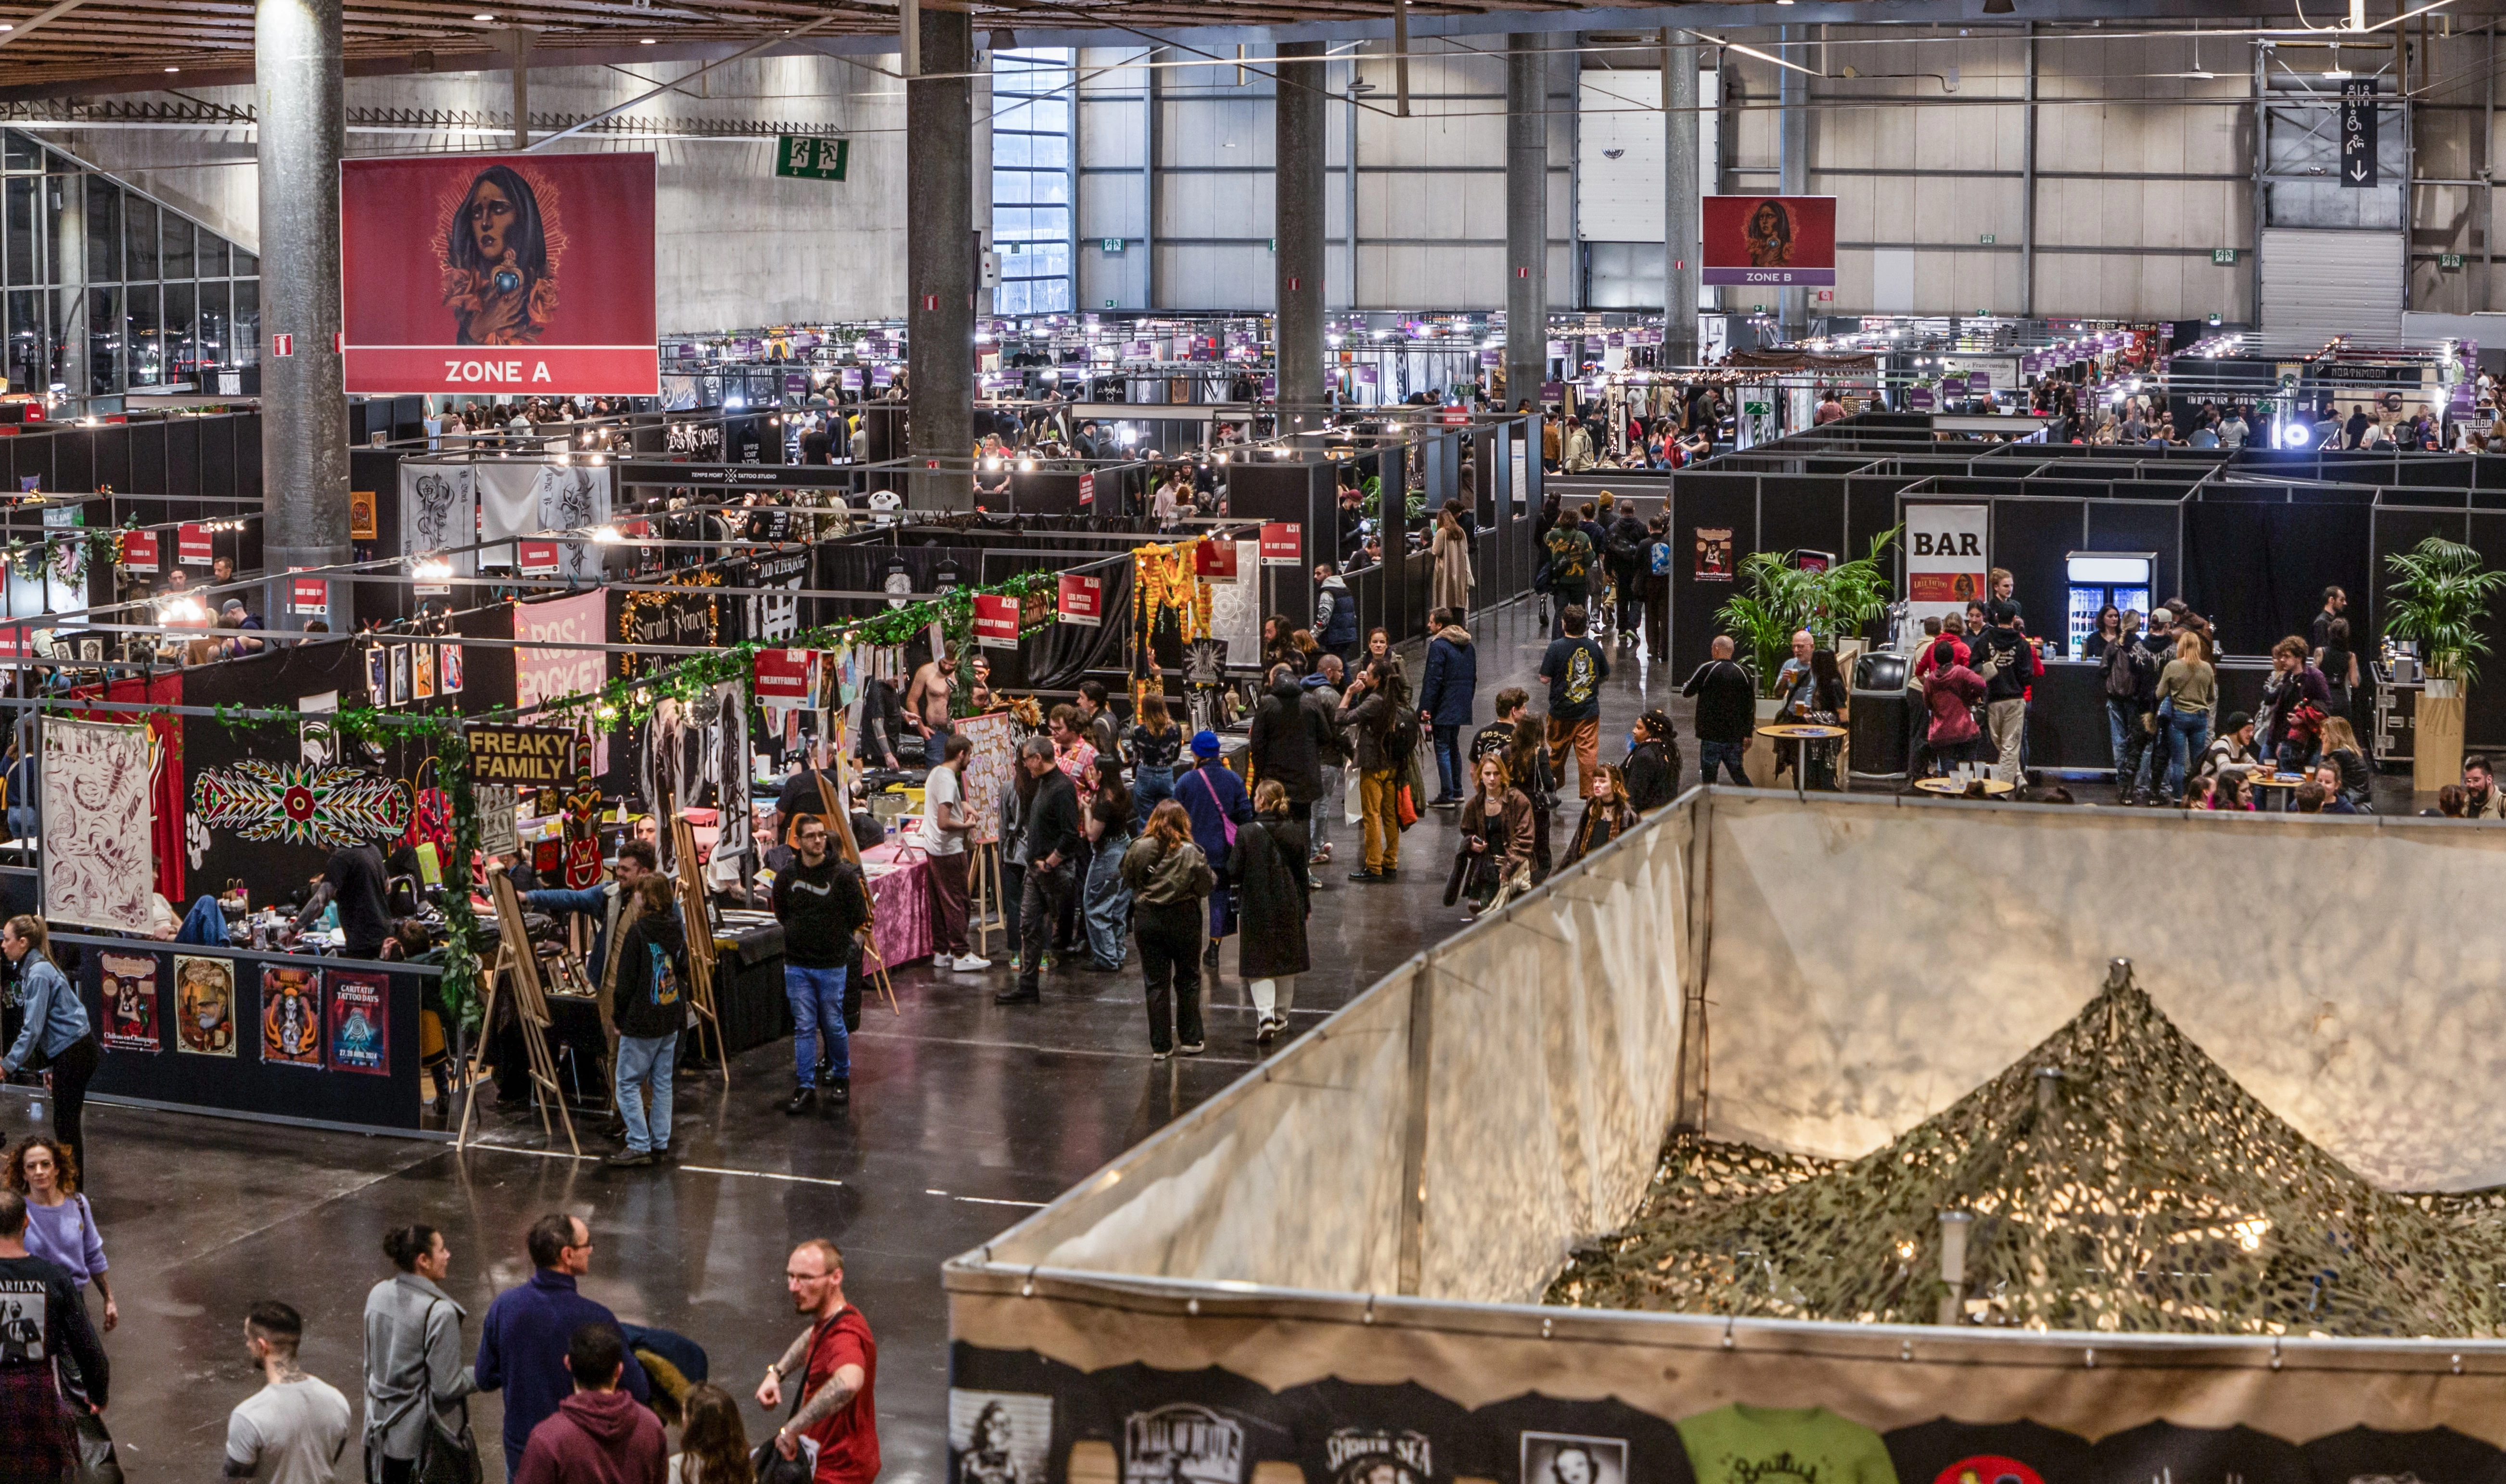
column 2439, row 600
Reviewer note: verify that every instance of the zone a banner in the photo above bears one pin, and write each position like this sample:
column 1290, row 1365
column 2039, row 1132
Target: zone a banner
column 1771, row 241
column 507, row 274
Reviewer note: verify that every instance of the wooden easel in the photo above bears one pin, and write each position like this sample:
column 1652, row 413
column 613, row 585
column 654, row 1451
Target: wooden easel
column 873, row 966
column 982, row 898
column 530, row 1009
column 700, row 939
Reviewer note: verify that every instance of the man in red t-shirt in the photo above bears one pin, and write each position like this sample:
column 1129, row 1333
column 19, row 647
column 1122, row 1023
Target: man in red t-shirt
column 841, row 1375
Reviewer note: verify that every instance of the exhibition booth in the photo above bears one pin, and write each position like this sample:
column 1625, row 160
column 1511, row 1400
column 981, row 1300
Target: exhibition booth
column 1351, row 1249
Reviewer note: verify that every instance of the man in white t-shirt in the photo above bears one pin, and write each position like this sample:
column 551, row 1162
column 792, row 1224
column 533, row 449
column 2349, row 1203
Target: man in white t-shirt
column 294, row 1430
column 944, row 823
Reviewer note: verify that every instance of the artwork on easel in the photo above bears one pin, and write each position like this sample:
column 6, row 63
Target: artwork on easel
column 986, row 777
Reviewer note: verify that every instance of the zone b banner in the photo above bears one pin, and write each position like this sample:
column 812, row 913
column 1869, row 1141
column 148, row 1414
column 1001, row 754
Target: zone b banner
column 516, row 275
column 1770, row 241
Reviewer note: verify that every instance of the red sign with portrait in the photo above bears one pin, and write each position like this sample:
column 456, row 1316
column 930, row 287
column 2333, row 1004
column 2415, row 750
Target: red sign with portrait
column 1770, row 241
column 514, row 274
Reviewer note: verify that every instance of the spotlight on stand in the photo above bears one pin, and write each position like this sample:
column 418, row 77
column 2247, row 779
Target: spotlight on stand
column 605, row 535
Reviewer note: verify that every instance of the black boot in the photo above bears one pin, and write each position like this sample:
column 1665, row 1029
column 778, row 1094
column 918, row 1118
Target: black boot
column 802, row 1100
column 839, row 1092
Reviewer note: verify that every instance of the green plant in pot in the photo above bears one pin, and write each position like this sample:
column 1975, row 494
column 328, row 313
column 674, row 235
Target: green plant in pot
column 2439, row 600
column 1778, row 599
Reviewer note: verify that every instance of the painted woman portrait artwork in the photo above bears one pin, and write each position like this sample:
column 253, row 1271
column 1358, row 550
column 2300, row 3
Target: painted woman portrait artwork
column 499, row 242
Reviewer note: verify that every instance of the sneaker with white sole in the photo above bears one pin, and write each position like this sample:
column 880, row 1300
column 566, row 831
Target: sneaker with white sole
column 972, row 965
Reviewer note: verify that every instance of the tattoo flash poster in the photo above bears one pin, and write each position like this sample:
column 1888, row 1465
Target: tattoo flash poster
column 360, row 1025
column 291, row 1016
column 514, row 274
column 1714, row 561
column 205, row 1005
column 131, row 1022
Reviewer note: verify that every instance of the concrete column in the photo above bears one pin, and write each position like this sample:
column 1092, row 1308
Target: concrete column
column 1526, row 218
column 521, row 44
column 940, row 256
column 1680, row 194
column 304, row 410
column 1792, row 124
column 1297, row 179
column 69, row 298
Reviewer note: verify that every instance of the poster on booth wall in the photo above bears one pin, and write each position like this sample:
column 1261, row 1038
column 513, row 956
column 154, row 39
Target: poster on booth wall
column 518, row 275
column 1714, row 560
column 291, row 1016
column 204, row 1023
column 447, row 669
column 1946, row 557
column 97, row 814
column 360, row 1026
column 130, row 1004
column 1768, row 241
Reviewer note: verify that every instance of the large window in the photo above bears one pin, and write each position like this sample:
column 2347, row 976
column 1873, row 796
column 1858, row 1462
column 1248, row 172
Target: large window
column 108, row 290
column 1032, row 92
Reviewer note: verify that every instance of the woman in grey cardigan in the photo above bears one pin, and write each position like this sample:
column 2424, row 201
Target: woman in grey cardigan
column 414, row 1350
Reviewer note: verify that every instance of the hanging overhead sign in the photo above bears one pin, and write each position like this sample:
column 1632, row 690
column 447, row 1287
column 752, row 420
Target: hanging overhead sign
column 1946, row 557
column 996, row 622
column 1769, row 240
column 1082, row 600
column 517, row 273
column 799, row 156
column 541, row 756
column 2358, row 133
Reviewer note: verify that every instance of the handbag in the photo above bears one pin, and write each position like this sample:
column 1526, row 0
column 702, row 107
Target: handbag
column 1406, row 805
column 96, row 1463
column 447, row 1458
column 1355, row 812
column 767, row 1463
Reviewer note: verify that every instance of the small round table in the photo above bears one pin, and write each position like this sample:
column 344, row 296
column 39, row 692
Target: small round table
column 1994, row 788
column 2266, row 778
column 1805, row 733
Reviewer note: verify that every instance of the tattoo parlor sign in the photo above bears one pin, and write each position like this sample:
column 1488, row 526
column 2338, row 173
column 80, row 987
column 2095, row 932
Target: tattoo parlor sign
column 529, row 755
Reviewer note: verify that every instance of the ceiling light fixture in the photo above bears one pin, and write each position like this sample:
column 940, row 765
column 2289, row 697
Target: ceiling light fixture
column 646, row 42
column 173, row 69
column 483, row 15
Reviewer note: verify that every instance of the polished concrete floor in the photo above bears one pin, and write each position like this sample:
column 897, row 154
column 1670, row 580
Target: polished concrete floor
column 966, row 1116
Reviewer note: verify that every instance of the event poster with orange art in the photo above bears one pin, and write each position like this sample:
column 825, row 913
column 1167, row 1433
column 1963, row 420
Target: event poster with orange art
column 291, row 1016
column 516, row 275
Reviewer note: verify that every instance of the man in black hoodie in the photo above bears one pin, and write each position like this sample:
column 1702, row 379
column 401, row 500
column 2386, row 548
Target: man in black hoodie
column 821, row 900
column 1286, row 743
column 1051, row 842
column 2008, row 665
column 1727, row 712
column 1628, row 545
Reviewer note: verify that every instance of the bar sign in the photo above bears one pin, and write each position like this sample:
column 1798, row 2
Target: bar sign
column 2358, row 133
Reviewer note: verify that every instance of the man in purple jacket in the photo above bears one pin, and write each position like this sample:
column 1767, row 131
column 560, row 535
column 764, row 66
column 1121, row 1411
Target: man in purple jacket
column 525, row 1343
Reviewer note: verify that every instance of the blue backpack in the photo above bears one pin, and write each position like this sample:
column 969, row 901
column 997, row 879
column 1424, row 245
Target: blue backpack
column 1659, row 559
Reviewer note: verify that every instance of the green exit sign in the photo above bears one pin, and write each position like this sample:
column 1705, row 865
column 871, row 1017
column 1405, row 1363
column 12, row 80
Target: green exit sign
column 1112, row 244
column 802, row 157
column 2223, row 256
column 1985, row 238
column 2449, row 260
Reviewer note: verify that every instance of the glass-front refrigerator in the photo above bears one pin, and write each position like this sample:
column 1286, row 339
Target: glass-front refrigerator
column 2123, row 579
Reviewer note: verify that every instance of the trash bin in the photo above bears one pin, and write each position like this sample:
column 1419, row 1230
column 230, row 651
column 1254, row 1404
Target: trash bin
column 1881, row 728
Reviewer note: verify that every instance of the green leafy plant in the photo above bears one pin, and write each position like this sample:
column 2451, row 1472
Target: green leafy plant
column 2439, row 599
column 1778, row 599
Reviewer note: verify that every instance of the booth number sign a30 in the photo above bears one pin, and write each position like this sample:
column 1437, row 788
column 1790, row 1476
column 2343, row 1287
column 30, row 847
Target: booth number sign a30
column 801, row 157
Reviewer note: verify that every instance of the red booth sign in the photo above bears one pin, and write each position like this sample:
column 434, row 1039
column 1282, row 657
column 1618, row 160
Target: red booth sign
column 1083, row 600
column 1215, row 560
column 192, row 545
column 537, row 558
column 1283, row 544
column 996, row 622
column 308, row 595
column 783, row 677
column 1088, row 489
column 139, row 551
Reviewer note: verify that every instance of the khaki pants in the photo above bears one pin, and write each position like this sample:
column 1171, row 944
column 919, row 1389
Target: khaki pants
column 1583, row 737
column 1376, row 792
column 2009, row 720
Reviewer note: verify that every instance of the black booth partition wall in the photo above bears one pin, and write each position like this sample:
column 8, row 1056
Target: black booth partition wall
column 355, row 1064
column 160, row 470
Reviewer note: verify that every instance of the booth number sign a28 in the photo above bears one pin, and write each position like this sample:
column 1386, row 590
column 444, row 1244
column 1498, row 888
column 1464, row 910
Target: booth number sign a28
column 802, row 156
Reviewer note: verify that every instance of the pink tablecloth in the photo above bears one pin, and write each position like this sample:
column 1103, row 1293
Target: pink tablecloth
column 900, row 912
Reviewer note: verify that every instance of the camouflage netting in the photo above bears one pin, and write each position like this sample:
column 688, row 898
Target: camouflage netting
column 2142, row 1190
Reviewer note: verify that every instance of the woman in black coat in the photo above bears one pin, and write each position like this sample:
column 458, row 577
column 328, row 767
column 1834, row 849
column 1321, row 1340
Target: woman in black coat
column 1273, row 893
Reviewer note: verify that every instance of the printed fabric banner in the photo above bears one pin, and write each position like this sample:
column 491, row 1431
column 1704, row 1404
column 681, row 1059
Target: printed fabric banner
column 130, row 1004
column 544, row 670
column 1946, row 557
column 360, row 1025
column 291, row 1016
column 204, row 1005
column 97, row 814
column 524, row 499
column 439, row 511
column 514, row 275
column 1770, row 241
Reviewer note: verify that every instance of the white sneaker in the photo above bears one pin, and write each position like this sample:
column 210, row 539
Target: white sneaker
column 971, row 964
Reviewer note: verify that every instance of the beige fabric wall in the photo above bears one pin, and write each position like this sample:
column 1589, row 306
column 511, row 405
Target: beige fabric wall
column 1552, row 1039
column 1873, row 960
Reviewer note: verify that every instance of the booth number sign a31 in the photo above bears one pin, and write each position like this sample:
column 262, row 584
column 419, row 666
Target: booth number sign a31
column 802, row 157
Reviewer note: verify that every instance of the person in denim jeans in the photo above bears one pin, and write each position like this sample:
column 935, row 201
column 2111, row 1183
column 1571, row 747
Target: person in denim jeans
column 651, row 1004
column 2186, row 692
column 1727, row 712
column 821, row 902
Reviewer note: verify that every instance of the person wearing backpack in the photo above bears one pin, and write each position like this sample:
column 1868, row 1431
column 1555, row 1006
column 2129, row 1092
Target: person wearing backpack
column 1376, row 708
column 651, row 1010
column 1655, row 581
column 2007, row 663
column 2129, row 678
column 1567, row 574
column 1627, row 567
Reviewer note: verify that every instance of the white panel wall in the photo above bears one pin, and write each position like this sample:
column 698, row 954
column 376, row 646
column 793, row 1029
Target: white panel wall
column 736, row 246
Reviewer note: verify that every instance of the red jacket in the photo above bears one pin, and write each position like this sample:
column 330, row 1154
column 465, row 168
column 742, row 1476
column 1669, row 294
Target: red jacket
column 1949, row 693
column 597, row 1437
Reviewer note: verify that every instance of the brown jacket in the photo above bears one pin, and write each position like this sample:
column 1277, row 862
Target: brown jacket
column 1512, row 834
